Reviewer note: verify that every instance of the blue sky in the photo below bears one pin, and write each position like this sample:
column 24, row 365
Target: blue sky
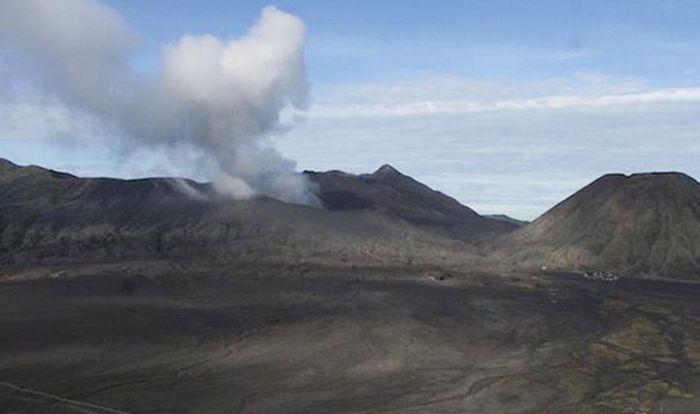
column 509, row 106
column 378, row 40
column 375, row 40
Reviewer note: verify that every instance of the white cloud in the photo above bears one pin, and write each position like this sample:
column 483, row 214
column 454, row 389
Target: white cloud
column 500, row 147
column 450, row 96
column 38, row 119
column 520, row 158
column 219, row 99
column 503, row 148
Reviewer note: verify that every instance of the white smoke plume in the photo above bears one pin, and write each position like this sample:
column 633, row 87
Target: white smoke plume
column 221, row 99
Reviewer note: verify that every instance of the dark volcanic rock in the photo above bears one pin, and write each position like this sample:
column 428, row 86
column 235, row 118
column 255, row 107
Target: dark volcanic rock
column 508, row 219
column 642, row 222
column 6, row 164
column 393, row 193
column 48, row 216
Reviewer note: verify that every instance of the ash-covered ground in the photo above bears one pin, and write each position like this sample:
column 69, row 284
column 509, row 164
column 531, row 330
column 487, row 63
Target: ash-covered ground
column 252, row 338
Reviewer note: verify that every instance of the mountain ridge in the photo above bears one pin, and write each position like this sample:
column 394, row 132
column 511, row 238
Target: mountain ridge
column 393, row 193
column 645, row 223
column 48, row 216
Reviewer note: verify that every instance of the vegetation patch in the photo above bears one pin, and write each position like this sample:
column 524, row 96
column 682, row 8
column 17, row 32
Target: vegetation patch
column 692, row 351
column 642, row 336
column 618, row 305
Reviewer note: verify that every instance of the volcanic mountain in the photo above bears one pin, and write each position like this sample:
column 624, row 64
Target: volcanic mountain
column 642, row 223
column 158, row 296
column 389, row 191
column 49, row 216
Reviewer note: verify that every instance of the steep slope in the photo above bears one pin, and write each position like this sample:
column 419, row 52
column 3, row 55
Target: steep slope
column 51, row 217
column 395, row 194
column 642, row 222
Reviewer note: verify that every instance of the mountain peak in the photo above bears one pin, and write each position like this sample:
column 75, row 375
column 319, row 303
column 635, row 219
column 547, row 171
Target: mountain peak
column 643, row 222
column 661, row 176
column 638, row 186
column 651, row 176
column 387, row 169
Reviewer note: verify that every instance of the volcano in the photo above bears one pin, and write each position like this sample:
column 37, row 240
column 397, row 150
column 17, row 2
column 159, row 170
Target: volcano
column 48, row 216
column 158, row 295
column 641, row 222
column 397, row 195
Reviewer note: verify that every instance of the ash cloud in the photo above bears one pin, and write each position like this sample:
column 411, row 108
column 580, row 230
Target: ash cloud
column 219, row 99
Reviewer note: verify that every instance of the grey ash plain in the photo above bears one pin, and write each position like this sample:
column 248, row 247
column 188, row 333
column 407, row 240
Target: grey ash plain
column 128, row 297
